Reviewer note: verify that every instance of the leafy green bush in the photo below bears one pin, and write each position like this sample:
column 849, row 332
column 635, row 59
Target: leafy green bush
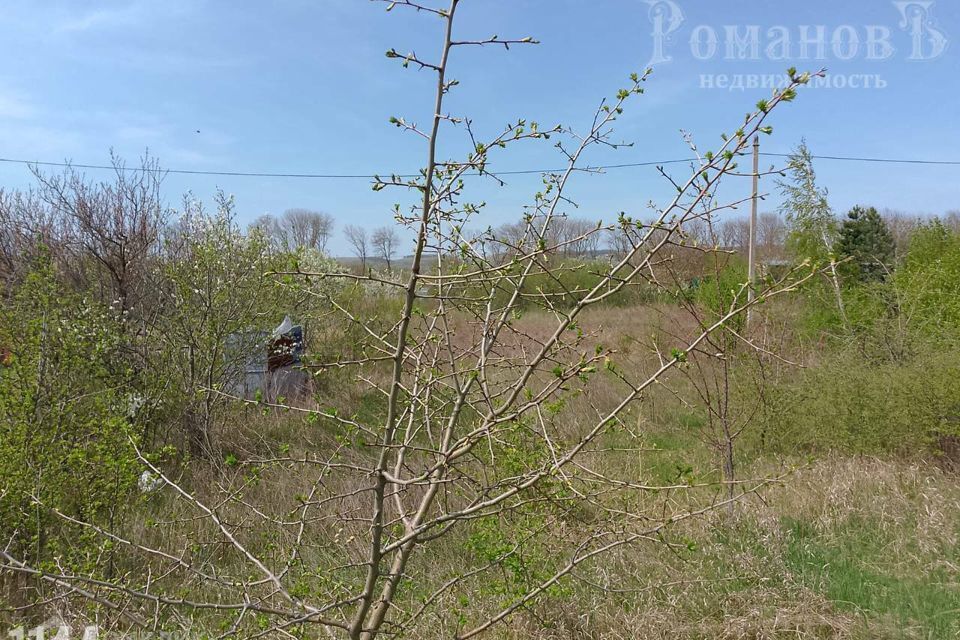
column 718, row 293
column 218, row 299
column 852, row 404
column 888, row 383
column 64, row 423
column 929, row 280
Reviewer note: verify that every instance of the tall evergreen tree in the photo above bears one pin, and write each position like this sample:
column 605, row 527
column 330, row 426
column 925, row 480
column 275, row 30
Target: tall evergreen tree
column 868, row 243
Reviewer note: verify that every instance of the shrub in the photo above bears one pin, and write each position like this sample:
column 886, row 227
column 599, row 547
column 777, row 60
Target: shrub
column 855, row 405
column 930, row 280
column 65, row 423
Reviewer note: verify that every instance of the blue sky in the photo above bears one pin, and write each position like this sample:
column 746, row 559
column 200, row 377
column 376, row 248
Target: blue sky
column 303, row 86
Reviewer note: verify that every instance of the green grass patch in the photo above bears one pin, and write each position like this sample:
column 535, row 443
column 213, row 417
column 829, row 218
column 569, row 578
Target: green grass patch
column 859, row 569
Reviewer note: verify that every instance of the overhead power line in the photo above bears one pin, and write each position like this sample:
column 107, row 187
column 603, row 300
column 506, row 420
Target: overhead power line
column 333, row 176
column 880, row 160
column 371, row 176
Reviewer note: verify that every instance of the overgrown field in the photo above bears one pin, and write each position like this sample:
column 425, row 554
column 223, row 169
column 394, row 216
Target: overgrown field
column 843, row 545
column 513, row 435
column 847, row 527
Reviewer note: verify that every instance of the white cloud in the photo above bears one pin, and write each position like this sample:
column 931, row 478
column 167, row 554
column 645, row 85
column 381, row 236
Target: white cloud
column 15, row 107
column 54, row 134
column 87, row 22
column 137, row 133
column 131, row 13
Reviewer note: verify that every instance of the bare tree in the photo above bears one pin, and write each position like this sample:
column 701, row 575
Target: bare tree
column 771, row 236
column 308, row 228
column 384, row 242
column 507, row 239
column 579, row 238
column 117, row 224
column 952, row 219
column 735, row 234
column 28, row 227
column 729, row 362
column 619, row 240
column 555, row 235
column 698, row 233
column 357, row 239
column 469, row 436
column 265, row 224
column 297, row 228
column 591, row 240
column 901, row 226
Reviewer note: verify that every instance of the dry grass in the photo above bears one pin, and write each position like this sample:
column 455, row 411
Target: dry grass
column 845, row 548
column 741, row 581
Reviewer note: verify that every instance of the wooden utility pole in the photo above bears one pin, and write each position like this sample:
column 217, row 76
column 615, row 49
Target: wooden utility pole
column 752, row 245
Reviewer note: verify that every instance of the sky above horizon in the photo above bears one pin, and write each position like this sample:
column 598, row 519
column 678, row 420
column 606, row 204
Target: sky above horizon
column 300, row 86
